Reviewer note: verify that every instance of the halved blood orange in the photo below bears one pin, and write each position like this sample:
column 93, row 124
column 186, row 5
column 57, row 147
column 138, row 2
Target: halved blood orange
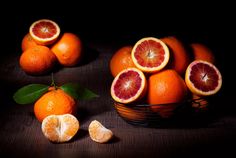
column 44, row 31
column 203, row 78
column 128, row 86
column 150, row 54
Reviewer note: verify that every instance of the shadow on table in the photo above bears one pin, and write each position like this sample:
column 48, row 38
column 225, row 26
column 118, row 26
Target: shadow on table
column 80, row 135
column 88, row 55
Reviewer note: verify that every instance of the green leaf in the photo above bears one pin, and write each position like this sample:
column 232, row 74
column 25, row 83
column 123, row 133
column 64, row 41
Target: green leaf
column 30, row 93
column 78, row 92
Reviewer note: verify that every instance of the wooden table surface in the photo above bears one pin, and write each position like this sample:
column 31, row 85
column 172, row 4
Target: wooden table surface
column 20, row 132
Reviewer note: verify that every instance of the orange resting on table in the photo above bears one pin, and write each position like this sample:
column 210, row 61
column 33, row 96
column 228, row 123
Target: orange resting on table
column 60, row 128
column 68, row 49
column 54, row 102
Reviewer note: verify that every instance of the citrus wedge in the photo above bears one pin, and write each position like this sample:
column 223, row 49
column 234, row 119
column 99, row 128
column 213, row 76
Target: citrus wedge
column 99, row 133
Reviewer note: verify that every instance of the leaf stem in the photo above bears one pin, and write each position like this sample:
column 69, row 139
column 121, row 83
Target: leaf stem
column 53, row 82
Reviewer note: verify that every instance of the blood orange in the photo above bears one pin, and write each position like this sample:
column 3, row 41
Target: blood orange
column 203, row 78
column 27, row 42
column 179, row 58
column 202, row 52
column 128, row 86
column 121, row 60
column 165, row 87
column 150, row 54
column 44, row 31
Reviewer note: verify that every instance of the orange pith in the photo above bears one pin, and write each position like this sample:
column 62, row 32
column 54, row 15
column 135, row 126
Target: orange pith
column 60, row 128
column 150, row 54
column 99, row 133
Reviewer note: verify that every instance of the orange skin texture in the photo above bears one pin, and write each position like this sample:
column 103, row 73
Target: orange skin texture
column 166, row 87
column 27, row 42
column 54, row 102
column 179, row 58
column 68, row 49
column 202, row 52
column 121, row 60
column 37, row 60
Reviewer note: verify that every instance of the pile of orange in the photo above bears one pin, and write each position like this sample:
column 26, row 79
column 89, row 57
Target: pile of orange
column 166, row 83
column 44, row 46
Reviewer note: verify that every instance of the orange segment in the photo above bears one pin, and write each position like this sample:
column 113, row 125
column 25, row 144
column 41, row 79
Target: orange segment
column 99, row 133
column 44, row 31
column 60, row 128
column 150, row 54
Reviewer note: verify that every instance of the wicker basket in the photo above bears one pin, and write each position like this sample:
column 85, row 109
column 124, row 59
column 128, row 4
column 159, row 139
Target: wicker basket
column 161, row 114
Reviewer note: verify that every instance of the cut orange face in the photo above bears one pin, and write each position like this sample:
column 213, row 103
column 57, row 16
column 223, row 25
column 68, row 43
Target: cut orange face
column 44, row 31
column 203, row 78
column 128, row 86
column 60, row 128
column 150, row 54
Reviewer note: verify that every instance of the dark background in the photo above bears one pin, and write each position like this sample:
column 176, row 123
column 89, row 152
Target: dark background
column 109, row 27
column 121, row 24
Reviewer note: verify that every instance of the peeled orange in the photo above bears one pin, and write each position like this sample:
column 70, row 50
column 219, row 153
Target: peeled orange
column 99, row 133
column 60, row 128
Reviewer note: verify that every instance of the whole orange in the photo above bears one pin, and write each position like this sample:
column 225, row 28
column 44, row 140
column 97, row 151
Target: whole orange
column 54, row 102
column 68, row 49
column 27, row 42
column 202, row 52
column 37, row 60
column 166, row 87
column 121, row 60
column 179, row 58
